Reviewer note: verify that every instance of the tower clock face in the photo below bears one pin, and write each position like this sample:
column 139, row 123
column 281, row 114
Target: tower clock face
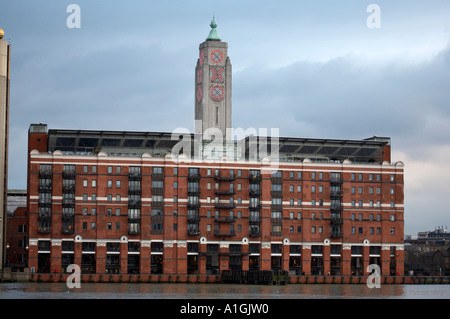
column 217, row 93
column 216, row 56
column 217, row 74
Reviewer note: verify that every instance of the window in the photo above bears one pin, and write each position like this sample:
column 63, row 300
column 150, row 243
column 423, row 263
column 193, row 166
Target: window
column 299, row 188
column 360, row 230
column 313, row 189
column 299, row 215
column 291, row 188
column 392, row 230
column 110, row 182
column 313, row 229
column 353, row 190
column 299, row 175
column 175, row 185
column 110, row 169
column 313, row 175
column 392, row 191
column 85, row 169
column 313, row 202
column 94, row 183
column 291, row 215
column 392, row 217
column 320, row 189
column 85, row 183
column 353, row 176
column 299, row 202
column 118, row 184
column 118, row 170
column 360, row 177
column 392, row 178
column 175, row 171
column 360, row 190
column 353, row 230
column 109, row 226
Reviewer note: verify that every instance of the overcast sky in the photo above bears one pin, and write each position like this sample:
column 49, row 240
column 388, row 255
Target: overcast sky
column 310, row 68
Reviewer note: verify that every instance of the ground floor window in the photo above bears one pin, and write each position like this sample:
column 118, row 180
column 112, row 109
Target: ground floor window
column 43, row 262
column 133, row 264
column 88, row 264
column 157, row 264
column 192, row 264
column 317, row 266
column 335, row 266
column 295, row 265
column 253, row 262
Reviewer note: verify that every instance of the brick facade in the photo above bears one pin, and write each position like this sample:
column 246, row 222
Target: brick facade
column 149, row 215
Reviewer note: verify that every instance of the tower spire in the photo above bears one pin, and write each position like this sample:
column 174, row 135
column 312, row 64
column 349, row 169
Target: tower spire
column 213, row 36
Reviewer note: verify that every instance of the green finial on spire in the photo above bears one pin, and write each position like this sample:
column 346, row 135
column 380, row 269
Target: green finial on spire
column 213, row 34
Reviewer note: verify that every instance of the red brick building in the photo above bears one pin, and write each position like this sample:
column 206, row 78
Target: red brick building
column 118, row 202
column 147, row 214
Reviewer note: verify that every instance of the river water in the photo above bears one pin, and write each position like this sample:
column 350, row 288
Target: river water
column 33, row 290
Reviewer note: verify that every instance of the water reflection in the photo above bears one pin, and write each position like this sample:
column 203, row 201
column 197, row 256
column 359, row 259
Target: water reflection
column 217, row 291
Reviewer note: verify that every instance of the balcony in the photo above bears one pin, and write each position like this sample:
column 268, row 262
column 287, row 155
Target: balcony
column 225, row 192
column 276, row 233
column 193, row 190
column 218, row 233
column 68, row 202
column 225, row 205
column 69, row 175
column 220, row 178
column 336, row 234
column 276, row 193
column 254, row 233
column 134, row 229
column 134, row 176
column 45, row 174
column 157, row 190
column 194, row 177
column 336, row 194
column 254, row 178
column 336, row 220
column 193, row 232
column 254, row 192
column 45, row 202
column 194, row 218
column 277, row 179
column 254, row 219
column 276, row 207
column 276, row 220
column 134, row 218
column 226, row 219
column 193, row 205
column 44, row 229
column 69, row 189
column 157, row 204
column 336, row 180
column 157, row 217
column 68, row 217
column 134, row 203
column 135, row 190
column 45, row 188
column 157, row 176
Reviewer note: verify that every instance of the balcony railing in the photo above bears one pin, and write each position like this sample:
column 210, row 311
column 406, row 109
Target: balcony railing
column 135, row 190
column 134, row 203
column 254, row 219
column 224, row 178
column 157, row 190
column 218, row 233
column 225, row 192
column 226, row 219
column 134, row 176
column 194, row 177
column 254, row 178
column 255, row 192
column 193, row 232
column 254, row 233
column 193, row 190
column 225, row 205
column 45, row 188
column 193, row 217
column 69, row 175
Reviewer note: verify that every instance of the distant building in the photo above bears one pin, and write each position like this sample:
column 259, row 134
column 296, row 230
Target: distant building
column 121, row 202
column 439, row 236
column 5, row 57
column 17, row 232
